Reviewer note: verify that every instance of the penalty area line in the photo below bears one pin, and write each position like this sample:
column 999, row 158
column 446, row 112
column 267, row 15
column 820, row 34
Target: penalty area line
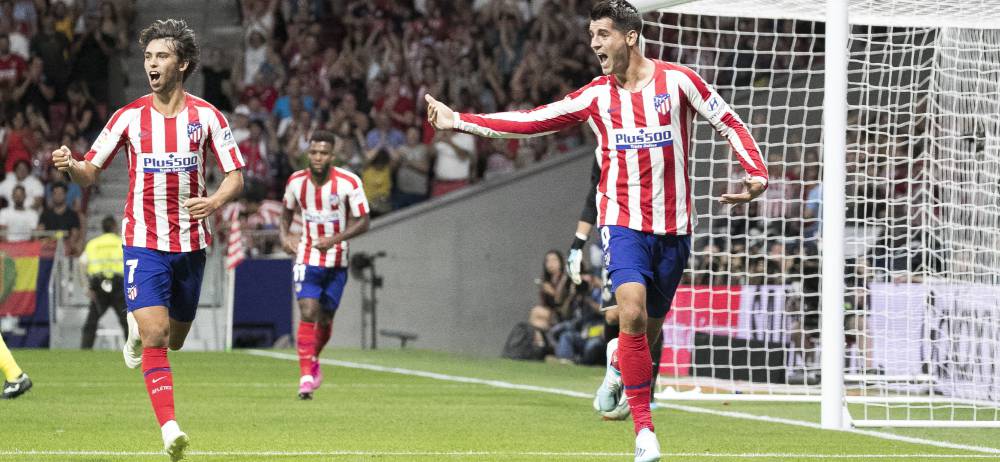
column 677, row 407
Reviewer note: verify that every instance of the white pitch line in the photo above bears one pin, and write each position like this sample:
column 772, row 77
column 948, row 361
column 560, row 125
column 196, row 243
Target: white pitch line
column 704, row 455
column 677, row 407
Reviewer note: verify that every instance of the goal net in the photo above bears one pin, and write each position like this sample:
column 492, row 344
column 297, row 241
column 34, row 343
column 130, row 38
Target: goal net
column 922, row 224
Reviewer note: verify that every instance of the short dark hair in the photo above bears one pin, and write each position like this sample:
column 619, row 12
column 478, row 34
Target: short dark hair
column 60, row 184
column 182, row 37
column 623, row 15
column 108, row 224
column 16, row 187
column 323, row 136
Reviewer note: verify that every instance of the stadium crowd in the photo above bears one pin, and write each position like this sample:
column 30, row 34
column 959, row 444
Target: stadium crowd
column 60, row 69
column 361, row 70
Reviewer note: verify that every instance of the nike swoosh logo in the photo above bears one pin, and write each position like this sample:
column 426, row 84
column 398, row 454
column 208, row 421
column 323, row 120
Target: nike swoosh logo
column 158, row 379
column 12, row 389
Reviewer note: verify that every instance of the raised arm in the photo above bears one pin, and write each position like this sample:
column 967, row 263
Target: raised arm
column 571, row 110
column 703, row 99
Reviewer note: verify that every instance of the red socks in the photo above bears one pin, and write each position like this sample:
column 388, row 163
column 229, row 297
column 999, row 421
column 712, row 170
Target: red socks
column 323, row 333
column 159, row 383
column 307, row 347
column 637, row 373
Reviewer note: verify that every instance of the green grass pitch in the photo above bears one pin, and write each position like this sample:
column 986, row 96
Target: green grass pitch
column 86, row 406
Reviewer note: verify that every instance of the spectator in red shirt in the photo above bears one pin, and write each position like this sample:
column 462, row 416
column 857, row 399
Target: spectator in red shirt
column 262, row 89
column 255, row 151
column 396, row 99
column 18, row 144
column 12, row 69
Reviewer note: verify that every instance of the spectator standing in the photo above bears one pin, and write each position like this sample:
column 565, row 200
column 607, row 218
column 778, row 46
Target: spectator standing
column 18, row 143
column 293, row 90
column 82, row 112
column 377, row 179
column 74, row 195
column 92, row 52
column 103, row 268
column 454, row 161
column 53, row 49
column 12, row 69
column 216, row 80
column 59, row 217
column 34, row 93
column 33, row 187
column 412, row 171
column 17, row 221
column 384, row 134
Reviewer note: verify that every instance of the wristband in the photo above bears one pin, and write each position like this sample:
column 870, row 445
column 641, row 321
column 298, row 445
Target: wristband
column 578, row 241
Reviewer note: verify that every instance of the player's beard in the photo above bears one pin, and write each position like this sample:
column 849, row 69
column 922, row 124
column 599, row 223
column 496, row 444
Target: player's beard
column 321, row 173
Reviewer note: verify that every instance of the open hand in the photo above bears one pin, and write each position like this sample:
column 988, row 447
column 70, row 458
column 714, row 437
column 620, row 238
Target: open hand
column 753, row 189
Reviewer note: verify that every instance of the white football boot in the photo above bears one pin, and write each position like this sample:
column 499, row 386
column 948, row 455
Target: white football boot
column 132, row 350
column 175, row 442
column 647, row 448
column 610, row 391
column 620, row 412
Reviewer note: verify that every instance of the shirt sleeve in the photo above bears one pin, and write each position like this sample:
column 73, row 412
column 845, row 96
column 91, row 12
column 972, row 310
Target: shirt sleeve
column 572, row 110
column 223, row 144
column 289, row 199
column 359, row 202
column 111, row 139
column 704, row 99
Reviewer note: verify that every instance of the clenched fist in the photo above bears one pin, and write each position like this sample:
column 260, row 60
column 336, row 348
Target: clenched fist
column 62, row 158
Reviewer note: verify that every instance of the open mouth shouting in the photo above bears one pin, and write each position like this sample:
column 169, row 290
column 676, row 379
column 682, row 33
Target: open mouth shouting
column 603, row 58
column 154, row 77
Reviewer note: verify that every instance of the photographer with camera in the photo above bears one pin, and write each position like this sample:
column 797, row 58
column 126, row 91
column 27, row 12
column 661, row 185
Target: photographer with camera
column 580, row 338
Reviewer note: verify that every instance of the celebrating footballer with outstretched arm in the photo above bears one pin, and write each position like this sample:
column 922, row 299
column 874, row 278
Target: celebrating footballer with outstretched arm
column 334, row 209
column 169, row 137
column 641, row 111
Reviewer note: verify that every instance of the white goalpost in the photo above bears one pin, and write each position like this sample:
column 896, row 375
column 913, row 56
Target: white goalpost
column 867, row 279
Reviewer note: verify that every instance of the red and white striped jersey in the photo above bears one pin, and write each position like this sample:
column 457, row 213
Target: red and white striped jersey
column 324, row 213
column 166, row 160
column 643, row 142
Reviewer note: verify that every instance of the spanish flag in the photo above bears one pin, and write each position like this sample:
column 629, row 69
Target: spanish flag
column 18, row 277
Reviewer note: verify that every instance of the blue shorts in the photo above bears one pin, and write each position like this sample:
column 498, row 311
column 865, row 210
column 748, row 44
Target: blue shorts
column 325, row 284
column 655, row 261
column 158, row 278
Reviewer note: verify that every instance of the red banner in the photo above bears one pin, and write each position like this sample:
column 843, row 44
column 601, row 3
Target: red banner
column 708, row 309
column 19, row 277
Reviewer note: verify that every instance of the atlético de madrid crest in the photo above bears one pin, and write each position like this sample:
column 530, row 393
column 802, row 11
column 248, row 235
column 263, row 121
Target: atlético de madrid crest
column 194, row 132
column 662, row 103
